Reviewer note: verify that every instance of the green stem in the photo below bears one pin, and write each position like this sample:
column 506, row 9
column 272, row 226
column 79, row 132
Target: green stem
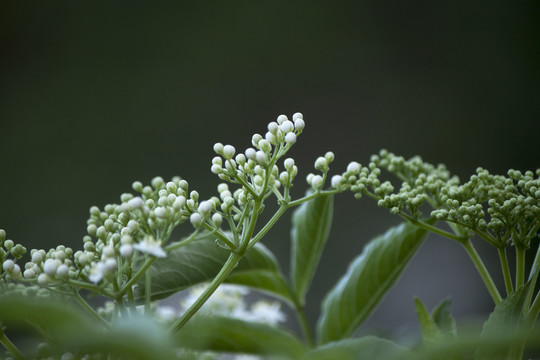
column 302, row 319
column 520, row 266
column 268, row 225
column 13, row 350
column 533, row 278
column 225, row 271
column 147, row 291
column 506, row 271
column 137, row 276
column 484, row 274
column 434, row 229
column 90, row 310
column 87, row 286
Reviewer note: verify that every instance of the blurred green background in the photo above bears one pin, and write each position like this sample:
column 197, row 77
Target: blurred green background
column 95, row 95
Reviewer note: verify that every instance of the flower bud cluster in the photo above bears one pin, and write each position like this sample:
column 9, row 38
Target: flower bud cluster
column 512, row 203
column 251, row 167
column 10, row 252
column 502, row 208
column 322, row 163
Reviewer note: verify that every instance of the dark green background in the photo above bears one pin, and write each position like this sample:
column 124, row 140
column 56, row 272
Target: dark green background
column 95, row 95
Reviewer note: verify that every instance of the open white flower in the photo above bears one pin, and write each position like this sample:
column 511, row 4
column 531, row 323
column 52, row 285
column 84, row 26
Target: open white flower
column 150, row 246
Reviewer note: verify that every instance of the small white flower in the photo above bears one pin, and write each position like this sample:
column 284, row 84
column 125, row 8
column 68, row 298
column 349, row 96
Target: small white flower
column 205, row 207
column 299, row 124
column 196, row 219
column 267, row 312
column 166, row 313
column 98, row 272
column 150, row 246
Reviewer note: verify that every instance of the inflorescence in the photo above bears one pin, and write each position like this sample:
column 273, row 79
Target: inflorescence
column 501, row 209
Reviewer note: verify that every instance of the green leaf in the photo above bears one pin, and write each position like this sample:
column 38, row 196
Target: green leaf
column 432, row 333
column 18, row 310
column 367, row 280
column 430, row 330
column 505, row 319
column 309, row 233
column 137, row 338
column 201, row 260
column 73, row 330
column 224, row 334
column 444, row 319
column 367, row 348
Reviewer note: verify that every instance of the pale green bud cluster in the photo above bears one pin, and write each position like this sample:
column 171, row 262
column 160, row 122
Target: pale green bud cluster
column 503, row 209
column 322, row 163
column 10, row 252
column 512, row 204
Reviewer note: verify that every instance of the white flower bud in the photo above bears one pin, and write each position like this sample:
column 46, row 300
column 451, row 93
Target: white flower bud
column 217, row 161
column 205, row 207
column 336, row 180
column 250, row 153
column 43, row 279
column 8, row 265
column 240, row 159
column 216, row 169
column 299, row 124
column 288, row 163
column 255, row 139
column 157, row 182
column 218, row 148
column 273, row 127
column 316, row 181
column 321, row 164
column 222, row 187
column 270, row 138
column 353, row 167
column 108, row 252
column 62, row 272
column 160, row 212
column 179, row 203
column 217, row 219
column 29, row 274
column 135, row 203
column 297, row 115
column 287, row 126
column 50, row 267
column 228, row 151
column 196, row 219
column 281, row 119
column 126, row 250
column 290, row 138
column 265, row 146
column 284, row 177
column 260, row 157
column 329, row 156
